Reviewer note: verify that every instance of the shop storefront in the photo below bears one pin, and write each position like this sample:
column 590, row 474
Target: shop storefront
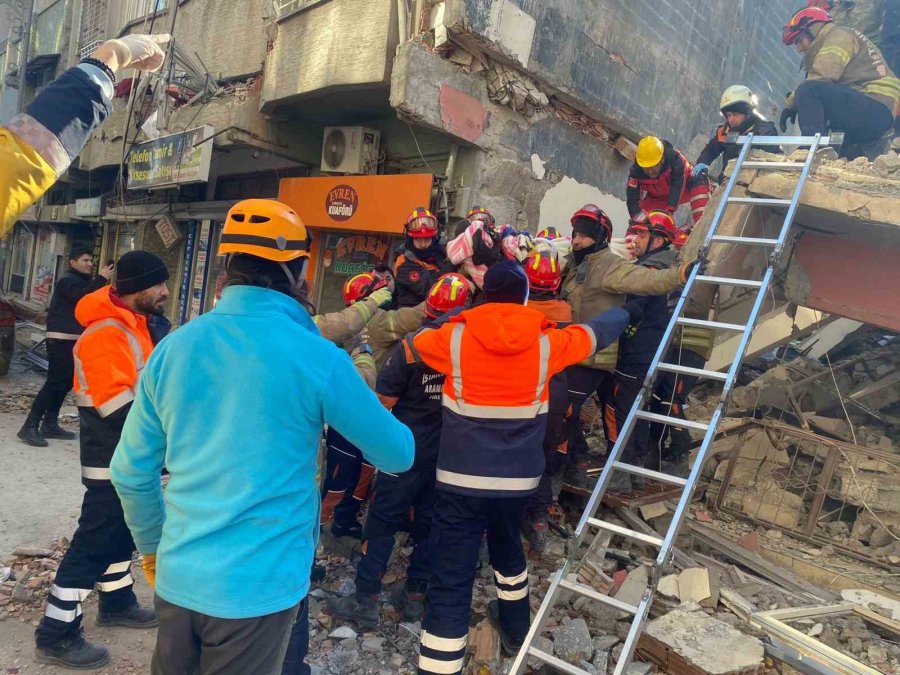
column 355, row 223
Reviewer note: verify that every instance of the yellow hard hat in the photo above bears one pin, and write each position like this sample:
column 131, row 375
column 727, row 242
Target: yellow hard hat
column 649, row 152
column 264, row 228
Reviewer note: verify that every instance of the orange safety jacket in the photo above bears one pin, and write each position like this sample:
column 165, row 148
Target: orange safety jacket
column 499, row 359
column 109, row 357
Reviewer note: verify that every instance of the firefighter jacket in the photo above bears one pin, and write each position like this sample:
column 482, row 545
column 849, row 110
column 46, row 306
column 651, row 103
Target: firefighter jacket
column 637, row 348
column 109, row 357
column 498, row 359
column 340, row 327
column 37, row 146
column 600, row 283
column 72, row 287
column 846, row 56
column 669, row 185
column 388, row 327
column 718, row 145
column 415, row 276
column 233, row 404
column 866, row 16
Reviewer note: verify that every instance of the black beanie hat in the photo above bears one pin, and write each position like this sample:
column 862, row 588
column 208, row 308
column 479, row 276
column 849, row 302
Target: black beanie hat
column 589, row 228
column 506, row 282
column 137, row 271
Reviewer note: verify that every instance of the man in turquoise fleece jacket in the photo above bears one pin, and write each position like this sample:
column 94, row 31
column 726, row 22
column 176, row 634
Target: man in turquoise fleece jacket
column 233, row 405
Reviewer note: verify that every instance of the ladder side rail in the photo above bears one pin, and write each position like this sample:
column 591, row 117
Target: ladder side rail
column 537, row 624
column 795, row 200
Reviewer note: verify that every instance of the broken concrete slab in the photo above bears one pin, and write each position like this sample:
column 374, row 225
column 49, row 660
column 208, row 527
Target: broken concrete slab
column 572, row 642
column 632, row 590
column 707, row 643
column 865, row 598
column 693, row 585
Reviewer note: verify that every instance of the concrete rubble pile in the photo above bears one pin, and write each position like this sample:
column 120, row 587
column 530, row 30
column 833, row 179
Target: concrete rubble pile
column 26, row 578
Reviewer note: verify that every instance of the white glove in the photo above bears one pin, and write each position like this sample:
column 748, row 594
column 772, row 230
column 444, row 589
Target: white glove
column 141, row 52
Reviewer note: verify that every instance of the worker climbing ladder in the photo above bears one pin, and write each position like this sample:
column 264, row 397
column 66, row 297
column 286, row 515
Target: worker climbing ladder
column 563, row 579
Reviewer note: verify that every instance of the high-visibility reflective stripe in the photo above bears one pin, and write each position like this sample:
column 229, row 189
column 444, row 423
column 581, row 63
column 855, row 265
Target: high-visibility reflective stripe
column 69, row 594
column 83, row 396
column 511, row 581
column 443, row 644
column 118, row 567
column 486, row 482
column 44, row 141
column 543, row 366
column 95, row 472
column 517, row 594
column 61, row 336
column 64, row 615
column 121, row 399
column 109, row 586
column 495, row 412
column 456, row 359
column 590, row 331
column 842, row 54
column 431, row 665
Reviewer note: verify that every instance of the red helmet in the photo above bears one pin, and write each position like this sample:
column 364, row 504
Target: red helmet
column 479, row 213
column 362, row 286
column 548, row 232
column 450, row 291
column 801, row 21
column 661, row 224
column 543, row 271
column 594, row 212
column 681, row 238
column 421, row 224
column 639, row 222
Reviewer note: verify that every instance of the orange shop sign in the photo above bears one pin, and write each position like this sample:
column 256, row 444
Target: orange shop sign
column 358, row 203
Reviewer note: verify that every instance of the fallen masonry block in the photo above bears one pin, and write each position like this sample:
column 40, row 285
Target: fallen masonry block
column 694, row 640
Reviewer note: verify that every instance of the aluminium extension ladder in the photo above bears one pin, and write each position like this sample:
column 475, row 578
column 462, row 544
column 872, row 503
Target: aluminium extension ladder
column 665, row 545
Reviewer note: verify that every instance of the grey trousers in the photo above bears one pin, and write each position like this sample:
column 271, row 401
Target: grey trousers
column 191, row 643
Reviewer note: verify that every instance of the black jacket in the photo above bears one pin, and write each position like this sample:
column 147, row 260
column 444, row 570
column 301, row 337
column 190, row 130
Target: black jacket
column 717, row 144
column 415, row 277
column 70, row 288
column 636, row 351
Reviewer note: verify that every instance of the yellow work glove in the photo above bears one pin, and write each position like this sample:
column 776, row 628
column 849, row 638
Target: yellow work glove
column 148, row 562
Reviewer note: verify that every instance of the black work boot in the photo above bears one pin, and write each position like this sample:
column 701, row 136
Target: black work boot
column 30, row 434
column 133, row 617
column 410, row 603
column 353, row 531
column 51, row 429
column 362, row 609
column 620, row 482
column 73, row 652
column 509, row 646
column 576, row 476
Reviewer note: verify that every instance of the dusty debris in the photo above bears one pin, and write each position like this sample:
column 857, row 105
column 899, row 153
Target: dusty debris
column 705, row 642
column 573, row 643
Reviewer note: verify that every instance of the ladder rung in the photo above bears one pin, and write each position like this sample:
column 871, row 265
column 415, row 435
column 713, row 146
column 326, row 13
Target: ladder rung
column 555, row 662
column 674, row 421
column 728, row 281
column 687, row 370
column 756, row 241
column 650, row 473
column 703, row 323
column 753, row 164
column 589, row 592
column 761, row 201
column 625, row 532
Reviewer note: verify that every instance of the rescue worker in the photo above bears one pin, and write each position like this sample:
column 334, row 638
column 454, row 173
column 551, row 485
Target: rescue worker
column 348, row 477
column 738, row 107
column 866, row 16
column 37, row 146
column 108, row 356
column 421, row 260
column 661, row 179
column 848, row 86
column 62, row 331
column 497, row 358
column 412, row 392
column 229, row 550
column 652, row 235
column 595, row 280
column 544, row 273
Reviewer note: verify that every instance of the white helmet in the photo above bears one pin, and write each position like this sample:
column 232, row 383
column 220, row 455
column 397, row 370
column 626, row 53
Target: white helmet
column 736, row 94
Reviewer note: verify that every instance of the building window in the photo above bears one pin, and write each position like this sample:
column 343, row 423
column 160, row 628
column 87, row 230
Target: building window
column 45, row 265
column 135, row 9
column 22, row 252
column 92, row 31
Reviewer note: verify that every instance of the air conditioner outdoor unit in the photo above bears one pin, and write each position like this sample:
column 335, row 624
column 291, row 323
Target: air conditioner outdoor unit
column 350, row 150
